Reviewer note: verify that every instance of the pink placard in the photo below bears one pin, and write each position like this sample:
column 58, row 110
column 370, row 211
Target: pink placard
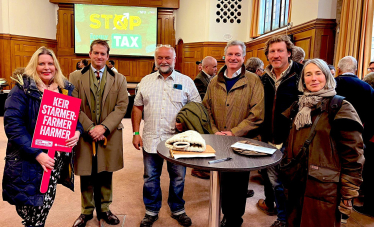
column 57, row 121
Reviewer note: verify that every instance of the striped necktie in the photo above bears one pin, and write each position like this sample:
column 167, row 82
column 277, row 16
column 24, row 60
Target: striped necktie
column 98, row 76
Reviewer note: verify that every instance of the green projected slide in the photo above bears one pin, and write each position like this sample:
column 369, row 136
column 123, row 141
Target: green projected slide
column 130, row 30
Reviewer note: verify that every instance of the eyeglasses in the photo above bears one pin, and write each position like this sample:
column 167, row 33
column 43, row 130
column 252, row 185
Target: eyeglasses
column 371, row 69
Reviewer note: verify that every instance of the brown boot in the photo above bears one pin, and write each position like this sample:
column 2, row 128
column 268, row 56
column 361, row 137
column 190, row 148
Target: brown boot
column 203, row 174
column 267, row 210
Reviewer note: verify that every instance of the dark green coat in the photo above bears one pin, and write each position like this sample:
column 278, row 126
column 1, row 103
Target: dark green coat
column 195, row 117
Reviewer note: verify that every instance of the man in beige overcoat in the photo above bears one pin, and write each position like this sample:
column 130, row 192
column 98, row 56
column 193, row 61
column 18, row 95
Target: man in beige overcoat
column 99, row 151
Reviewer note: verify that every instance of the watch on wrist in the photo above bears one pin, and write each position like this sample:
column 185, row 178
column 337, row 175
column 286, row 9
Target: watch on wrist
column 136, row 133
column 106, row 128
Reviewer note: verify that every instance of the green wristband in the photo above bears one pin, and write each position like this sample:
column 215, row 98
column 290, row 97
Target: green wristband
column 136, row 133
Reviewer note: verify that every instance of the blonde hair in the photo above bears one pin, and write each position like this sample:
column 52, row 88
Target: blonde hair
column 31, row 72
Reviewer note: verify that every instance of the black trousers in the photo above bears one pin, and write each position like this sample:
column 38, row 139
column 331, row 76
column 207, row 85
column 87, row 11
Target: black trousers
column 234, row 187
column 268, row 189
column 367, row 174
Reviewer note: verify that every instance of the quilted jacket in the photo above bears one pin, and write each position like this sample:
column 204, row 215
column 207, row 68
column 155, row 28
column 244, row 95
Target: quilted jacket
column 22, row 173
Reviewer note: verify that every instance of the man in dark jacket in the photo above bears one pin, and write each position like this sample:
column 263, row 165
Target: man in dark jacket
column 209, row 70
column 361, row 96
column 203, row 78
column 280, row 85
column 255, row 65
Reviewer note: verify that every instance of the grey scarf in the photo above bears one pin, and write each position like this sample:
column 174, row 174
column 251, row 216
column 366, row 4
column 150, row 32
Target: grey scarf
column 306, row 102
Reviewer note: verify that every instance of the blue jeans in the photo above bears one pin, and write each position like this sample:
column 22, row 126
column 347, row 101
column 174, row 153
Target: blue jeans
column 152, row 195
column 279, row 196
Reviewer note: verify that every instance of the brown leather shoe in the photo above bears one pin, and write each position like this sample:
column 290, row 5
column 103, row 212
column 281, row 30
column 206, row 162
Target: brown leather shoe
column 267, row 210
column 109, row 218
column 82, row 220
column 203, row 174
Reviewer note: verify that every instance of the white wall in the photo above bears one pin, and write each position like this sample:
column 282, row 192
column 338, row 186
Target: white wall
column 4, row 16
column 196, row 22
column 192, row 21
column 307, row 10
column 327, row 9
column 304, row 11
column 35, row 18
column 218, row 31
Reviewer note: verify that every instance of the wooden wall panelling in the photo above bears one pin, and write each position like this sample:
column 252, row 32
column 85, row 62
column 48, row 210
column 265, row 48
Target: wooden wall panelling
column 5, row 59
column 23, row 47
column 74, row 62
column 261, row 55
column 189, row 69
column 17, row 51
column 71, row 1
column 67, row 65
column 305, row 40
column 116, row 2
column 257, row 50
column 165, row 27
column 249, row 54
column 173, row 4
column 325, row 45
column 124, row 68
column 316, row 37
column 157, row 3
column 179, row 52
column 65, row 30
column 143, row 67
column 193, row 52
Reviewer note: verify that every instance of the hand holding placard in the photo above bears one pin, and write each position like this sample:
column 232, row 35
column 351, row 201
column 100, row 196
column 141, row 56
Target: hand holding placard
column 57, row 121
column 47, row 175
column 45, row 161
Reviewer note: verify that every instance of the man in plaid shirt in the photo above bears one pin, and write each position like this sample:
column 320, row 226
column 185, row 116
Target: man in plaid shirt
column 161, row 95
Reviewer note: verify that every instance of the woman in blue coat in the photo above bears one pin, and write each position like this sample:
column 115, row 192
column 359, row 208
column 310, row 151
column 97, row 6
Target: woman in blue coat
column 24, row 165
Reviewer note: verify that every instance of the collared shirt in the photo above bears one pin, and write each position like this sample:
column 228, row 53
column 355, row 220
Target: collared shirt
column 209, row 76
column 162, row 100
column 349, row 73
column 114, row 69
column 283, row 74
column 101, row 71
column 237, row 73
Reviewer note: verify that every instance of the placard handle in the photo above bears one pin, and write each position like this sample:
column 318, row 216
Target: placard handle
column 47, row 175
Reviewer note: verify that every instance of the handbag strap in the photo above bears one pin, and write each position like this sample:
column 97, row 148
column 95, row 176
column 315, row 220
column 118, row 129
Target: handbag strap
column 306, row 144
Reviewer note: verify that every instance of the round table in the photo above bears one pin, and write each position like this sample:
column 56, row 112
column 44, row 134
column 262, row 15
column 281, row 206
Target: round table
column 239, row 163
